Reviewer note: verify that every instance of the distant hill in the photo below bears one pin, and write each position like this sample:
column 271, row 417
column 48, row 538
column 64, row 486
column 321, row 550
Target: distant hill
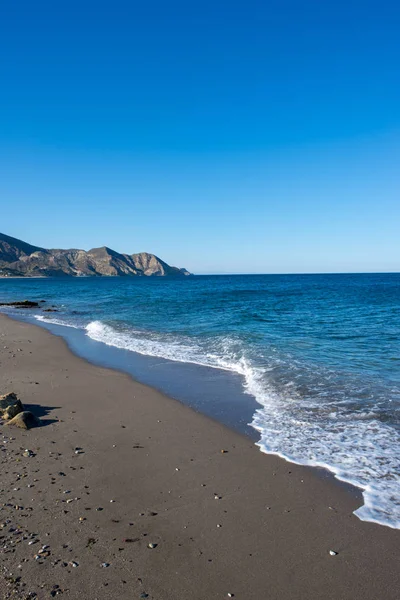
column 19, row 259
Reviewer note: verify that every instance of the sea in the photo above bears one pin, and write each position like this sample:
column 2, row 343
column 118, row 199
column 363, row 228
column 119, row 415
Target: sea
column 308, row 366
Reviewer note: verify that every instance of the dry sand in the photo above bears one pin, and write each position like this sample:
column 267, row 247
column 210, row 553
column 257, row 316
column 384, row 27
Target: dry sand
column 151, row 471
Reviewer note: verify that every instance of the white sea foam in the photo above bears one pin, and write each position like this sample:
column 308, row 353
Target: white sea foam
column 170, row 348
column 54, row 321
column 357, row 448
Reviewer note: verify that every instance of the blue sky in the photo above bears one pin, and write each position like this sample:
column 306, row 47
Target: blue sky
column 222, row 136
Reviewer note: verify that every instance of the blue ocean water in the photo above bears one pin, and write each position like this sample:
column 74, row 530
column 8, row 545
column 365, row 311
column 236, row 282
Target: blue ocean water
column 319, row 353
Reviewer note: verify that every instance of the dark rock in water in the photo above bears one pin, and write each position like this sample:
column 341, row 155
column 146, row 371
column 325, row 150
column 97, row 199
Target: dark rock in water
column 13, row 410
column 21, row 304
column 8, row 400
column 50, row 310
column 25, row 420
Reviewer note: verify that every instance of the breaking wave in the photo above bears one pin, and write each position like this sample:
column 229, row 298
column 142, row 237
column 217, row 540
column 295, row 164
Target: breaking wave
column 354, row 445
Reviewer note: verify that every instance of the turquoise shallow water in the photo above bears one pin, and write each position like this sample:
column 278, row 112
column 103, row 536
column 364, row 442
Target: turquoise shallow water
column 318, row 354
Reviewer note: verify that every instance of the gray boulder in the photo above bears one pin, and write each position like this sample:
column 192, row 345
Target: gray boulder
column 7, row 400
column 25, row 420
column 13, row 410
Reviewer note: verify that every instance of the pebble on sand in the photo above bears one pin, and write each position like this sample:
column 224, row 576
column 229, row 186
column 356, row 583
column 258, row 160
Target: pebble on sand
column 333, row 553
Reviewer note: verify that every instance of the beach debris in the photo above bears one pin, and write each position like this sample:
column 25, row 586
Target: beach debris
column 152, row 546
column 216, row 497
column 144, row 595
column 230, row 595
column 105, row 565
column 91, row 541
column 224, row 451
column 28, row 453
column 25, row 420
column 333, row 553
column 73, row 563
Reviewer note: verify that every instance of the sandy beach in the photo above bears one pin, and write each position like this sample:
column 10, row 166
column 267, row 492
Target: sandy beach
column 126, row 493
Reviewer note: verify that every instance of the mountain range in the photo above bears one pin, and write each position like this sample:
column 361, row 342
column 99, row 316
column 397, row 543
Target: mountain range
column 19, row 259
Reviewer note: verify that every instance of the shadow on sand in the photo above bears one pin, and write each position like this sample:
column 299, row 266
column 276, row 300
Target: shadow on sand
column 41, row 412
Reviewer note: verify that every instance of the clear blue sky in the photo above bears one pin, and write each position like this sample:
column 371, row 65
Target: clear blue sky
column 222, row 136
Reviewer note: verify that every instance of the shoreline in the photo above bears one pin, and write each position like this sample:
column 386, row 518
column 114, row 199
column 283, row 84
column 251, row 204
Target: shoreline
column 249, row 432
column 248, row 403
column 152, row 454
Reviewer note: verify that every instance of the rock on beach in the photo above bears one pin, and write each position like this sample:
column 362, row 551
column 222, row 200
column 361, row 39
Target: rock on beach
column 25, row 420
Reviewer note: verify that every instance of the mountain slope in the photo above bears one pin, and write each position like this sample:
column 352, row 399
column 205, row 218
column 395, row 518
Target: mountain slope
column 12, row 249
column 18, row 258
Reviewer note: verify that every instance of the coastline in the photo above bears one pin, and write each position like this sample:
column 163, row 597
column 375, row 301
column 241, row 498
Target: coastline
column 278, row 520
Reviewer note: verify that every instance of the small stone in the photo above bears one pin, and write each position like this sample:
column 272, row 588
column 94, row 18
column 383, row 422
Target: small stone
column 74, row 564
column 224, row 451
column 152, row 546
column 230, row 595
column 333, row 553
column 105, row 565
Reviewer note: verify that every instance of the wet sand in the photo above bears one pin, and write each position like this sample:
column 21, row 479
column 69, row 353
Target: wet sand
column 118, row 467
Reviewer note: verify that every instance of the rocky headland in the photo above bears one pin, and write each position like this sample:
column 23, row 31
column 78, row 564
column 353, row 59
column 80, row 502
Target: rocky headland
column 19, row 259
